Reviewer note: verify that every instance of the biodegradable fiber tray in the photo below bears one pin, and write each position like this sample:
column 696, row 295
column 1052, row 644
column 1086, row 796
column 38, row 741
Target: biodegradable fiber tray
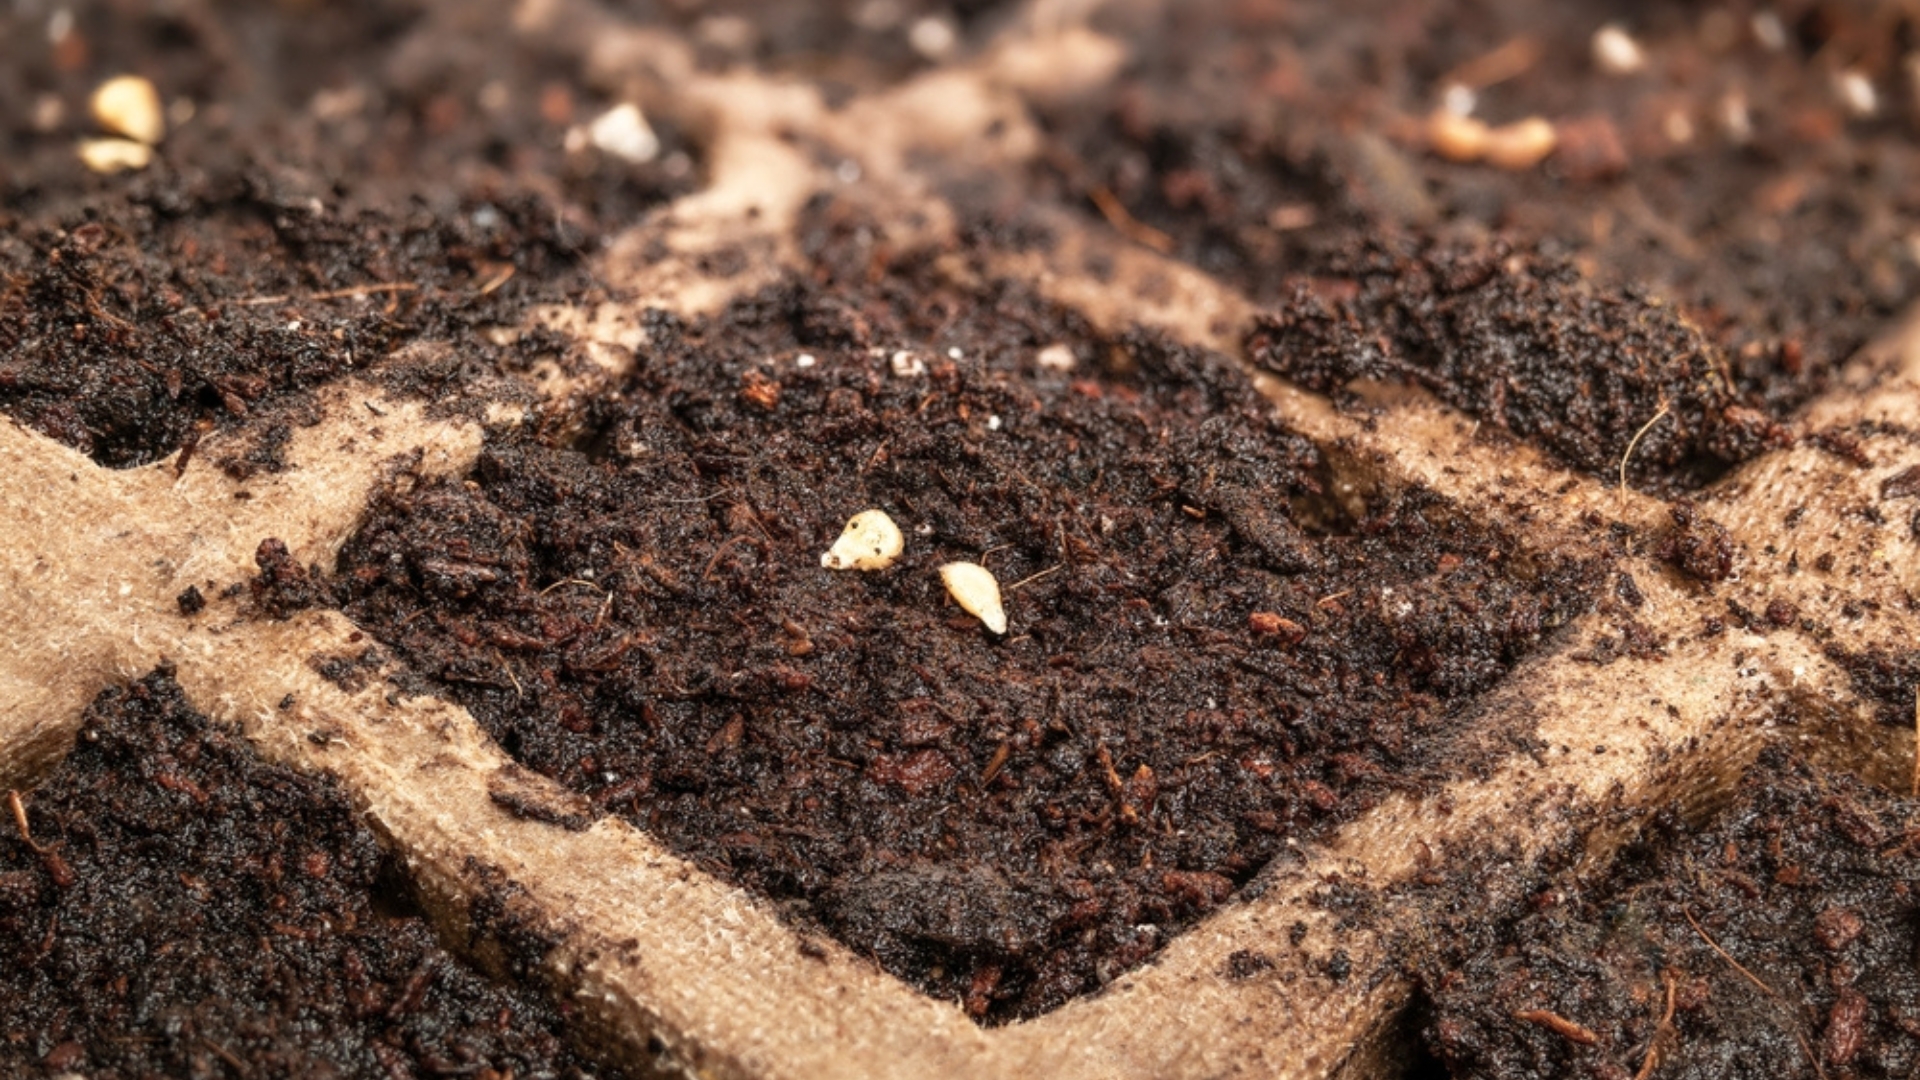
column 686, row 976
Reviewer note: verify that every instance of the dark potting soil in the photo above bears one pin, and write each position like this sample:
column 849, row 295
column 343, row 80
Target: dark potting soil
column 344, row 185
column 131, row 337
column 1780, row 941
column 1598, row 377
column 170, row 905
column 1205, row 658
column 1727, row 181
column 397, row 172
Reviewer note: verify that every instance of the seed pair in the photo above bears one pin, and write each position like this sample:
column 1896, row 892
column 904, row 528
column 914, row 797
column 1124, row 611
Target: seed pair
column 129, row 108
column 871, row 541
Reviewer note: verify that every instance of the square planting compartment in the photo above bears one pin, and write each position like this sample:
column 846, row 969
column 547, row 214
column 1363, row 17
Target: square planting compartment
column 1208, row 652
column 1309, row 692
column 174, row 906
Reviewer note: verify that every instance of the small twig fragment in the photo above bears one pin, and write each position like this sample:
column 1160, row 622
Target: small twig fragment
column 366, row 290
column 1663, row 1034
column 994, row 765
column 1514, row 58
column 56, row 867
column 1559, row 1025
column 20, row 820
column 1127, row 225
column 1635, row 442
column 1728, row 957
column 1056, row 568
column 497, row 280
column 1756, row 981
column 331, row 294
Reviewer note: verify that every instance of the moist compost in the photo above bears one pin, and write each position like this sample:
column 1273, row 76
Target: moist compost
column 1212, row 651
column 339, row 198
column 1206, row 658
column 170, row 905
column 1730, row 177
column 1779, row 941
column 128, row 338
column 1264, row 144
column 1609, row 381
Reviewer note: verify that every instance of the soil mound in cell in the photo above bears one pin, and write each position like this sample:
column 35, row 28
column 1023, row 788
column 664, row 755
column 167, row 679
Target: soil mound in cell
column 1529, row 345
column 1207, row 655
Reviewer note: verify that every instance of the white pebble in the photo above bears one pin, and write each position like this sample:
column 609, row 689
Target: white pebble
column 1459, row 100
column 932, row 37
column 1856, row 93
column 115, row 155
column 805, row 360
column 907, row 365
column 954, row 353
column 993, row 423
column 130, row 106
column 1055, row 357
column 623, row 132
column 1615, row 51
column 871, row 541
column 1735, row 117
column 333, row 106
column 974, row 588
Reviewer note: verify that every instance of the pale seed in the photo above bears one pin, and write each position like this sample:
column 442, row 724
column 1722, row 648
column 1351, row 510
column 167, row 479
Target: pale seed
column 974, row 588
column 115, row 155
column 130, row 106
column 623, row 131
column 1615, row 52
column 871, row 541
column 1521, row 144
column 1056, row 357
column 1456, row 137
